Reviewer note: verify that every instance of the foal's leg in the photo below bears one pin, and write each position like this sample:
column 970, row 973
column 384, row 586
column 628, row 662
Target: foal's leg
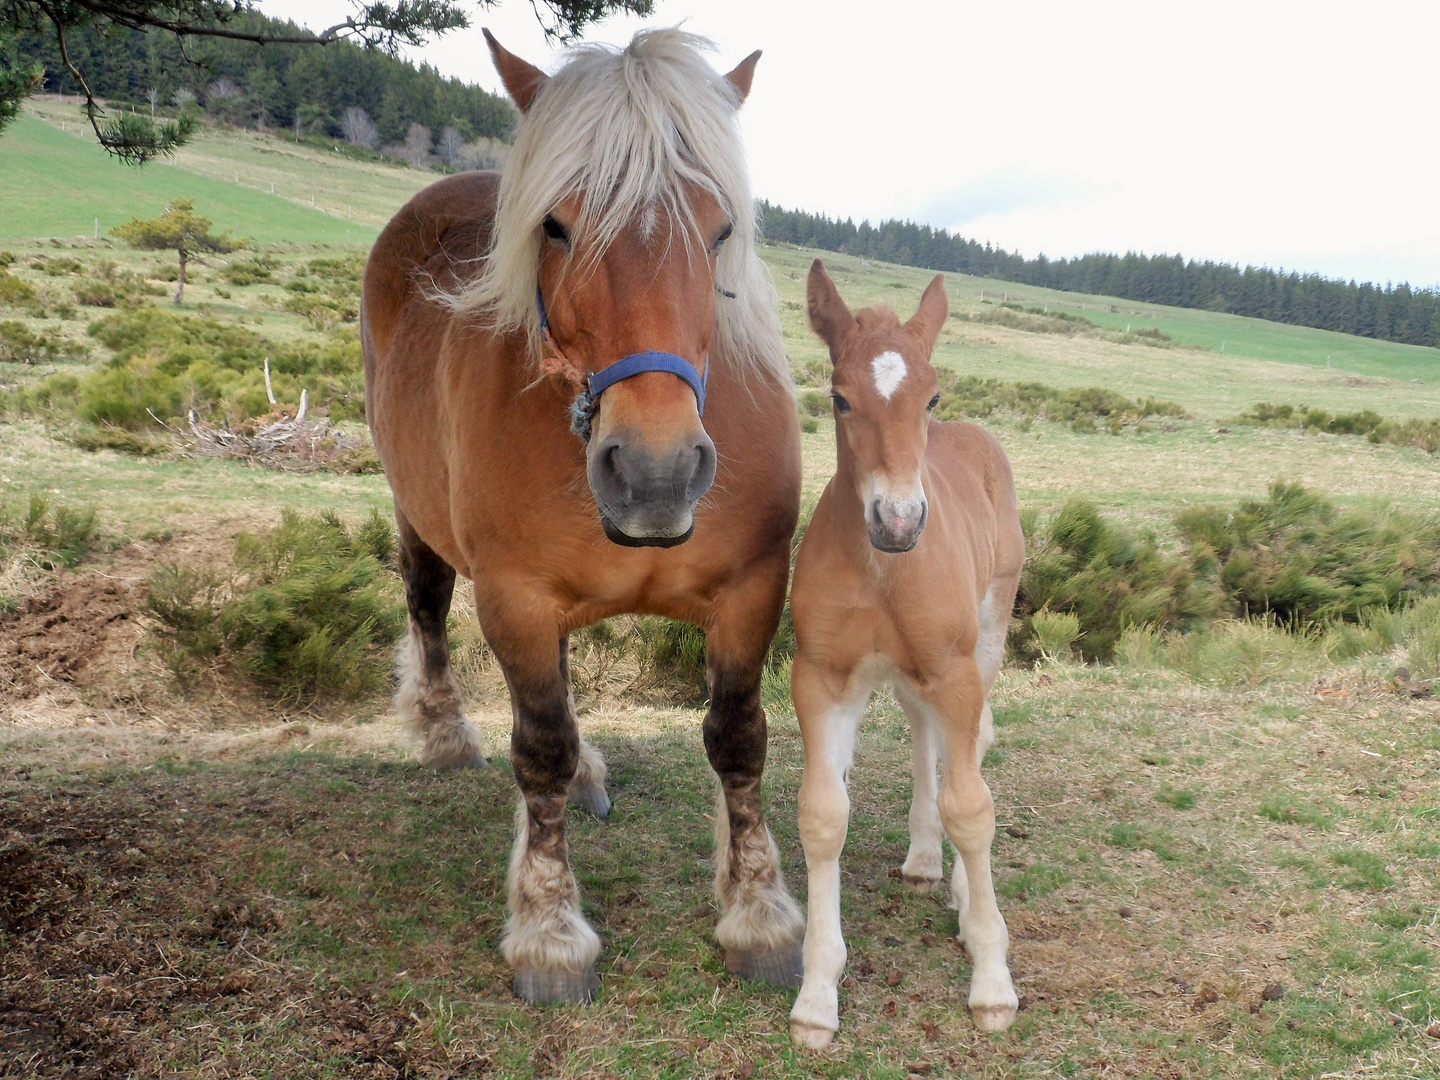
column 968, row 812
column 587, row 790
column 827, row 724
column 547, row 940
column 761, row 926
column 428, row 700
column 924, row 865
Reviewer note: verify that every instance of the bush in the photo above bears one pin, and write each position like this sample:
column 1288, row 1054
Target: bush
column 20, row 345
column 14, row 292
column 1107, row 578
column 259, row 270
column 1041, row 320
column 968, row 396
column 170, row 365
column 1424, row 434
column 304, row 615
column 1055, row 633
column 1299, row 558
column 53, row 537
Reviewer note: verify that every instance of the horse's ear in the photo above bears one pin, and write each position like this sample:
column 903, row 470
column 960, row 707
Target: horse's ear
column 522, row 80
column 930, row 316
column 742, row 76
column 828, row 314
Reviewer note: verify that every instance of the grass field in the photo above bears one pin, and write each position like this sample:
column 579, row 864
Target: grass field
column 1228, row 873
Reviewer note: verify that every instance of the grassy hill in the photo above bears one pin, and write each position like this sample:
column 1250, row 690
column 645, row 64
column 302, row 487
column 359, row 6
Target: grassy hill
column 57, row 182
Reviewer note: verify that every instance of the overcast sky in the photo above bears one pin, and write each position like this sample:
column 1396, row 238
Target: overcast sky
column 1301, row 135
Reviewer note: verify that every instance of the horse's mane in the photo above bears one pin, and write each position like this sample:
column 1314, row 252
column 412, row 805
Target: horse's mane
column 629, row 128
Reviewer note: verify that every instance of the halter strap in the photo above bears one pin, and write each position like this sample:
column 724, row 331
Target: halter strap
column 626, row 367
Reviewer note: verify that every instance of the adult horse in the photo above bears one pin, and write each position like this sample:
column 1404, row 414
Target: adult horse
column 595, row 313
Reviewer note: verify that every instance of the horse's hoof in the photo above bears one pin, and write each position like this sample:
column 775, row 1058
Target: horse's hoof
column 810, row 1036
column 923, row 885
column 993, row 1017
column 454, row 746
column 557, row 987
column 592, row 799
column 782, row 967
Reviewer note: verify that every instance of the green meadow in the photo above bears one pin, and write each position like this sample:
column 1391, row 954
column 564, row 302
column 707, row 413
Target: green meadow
column 1217, row 854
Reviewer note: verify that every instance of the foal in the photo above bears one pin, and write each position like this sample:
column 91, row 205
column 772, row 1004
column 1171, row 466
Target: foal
column 908, row 574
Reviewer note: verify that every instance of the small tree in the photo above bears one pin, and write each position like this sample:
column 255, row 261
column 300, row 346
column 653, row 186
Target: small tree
column 359, row 129
column 178, row 229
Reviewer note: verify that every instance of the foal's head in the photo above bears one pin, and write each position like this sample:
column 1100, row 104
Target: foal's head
column 624, row 227
column 884, row 390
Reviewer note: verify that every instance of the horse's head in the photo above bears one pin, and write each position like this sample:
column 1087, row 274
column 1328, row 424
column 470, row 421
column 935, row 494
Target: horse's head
column 884, row 390
column 628, row 276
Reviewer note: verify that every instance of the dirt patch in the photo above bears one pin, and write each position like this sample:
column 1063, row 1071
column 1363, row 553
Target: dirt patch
column 131, row 946
column 54, row 637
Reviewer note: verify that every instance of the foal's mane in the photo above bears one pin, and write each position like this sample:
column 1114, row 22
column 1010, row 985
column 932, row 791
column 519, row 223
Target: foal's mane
column 629, row 128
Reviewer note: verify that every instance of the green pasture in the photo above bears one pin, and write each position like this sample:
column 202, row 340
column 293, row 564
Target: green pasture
column 56, row 183
column 1216, row 856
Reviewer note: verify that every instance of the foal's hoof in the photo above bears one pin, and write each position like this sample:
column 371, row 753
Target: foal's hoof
column 993, row 1017
column 592, row 799
column 556, row 987
column 810, row 1036
column 783, row 967
column 922, row 885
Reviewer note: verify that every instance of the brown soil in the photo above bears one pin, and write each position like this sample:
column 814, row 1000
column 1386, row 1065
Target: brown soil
column 55, row 637
column 130, row 947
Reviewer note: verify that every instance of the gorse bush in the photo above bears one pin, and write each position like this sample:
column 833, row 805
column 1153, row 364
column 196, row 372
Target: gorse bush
column 1041, row 320
column 1298, row 557
column 1424, row 434
column 21, row 345
column 53, row 537
column 304, row 615
column 1104, row 575
column 1292, row 561
column 167, row 365
column 964, row 396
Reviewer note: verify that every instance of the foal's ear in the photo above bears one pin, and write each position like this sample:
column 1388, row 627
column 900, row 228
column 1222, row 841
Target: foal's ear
column 930, row 316
column 828, row 314
column 742, row 76
column 522, row 80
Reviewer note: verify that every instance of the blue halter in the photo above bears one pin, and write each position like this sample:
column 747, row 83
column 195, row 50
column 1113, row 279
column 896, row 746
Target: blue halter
column 582, row 413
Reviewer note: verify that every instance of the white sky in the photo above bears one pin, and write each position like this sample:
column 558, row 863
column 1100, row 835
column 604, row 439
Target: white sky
column 1294, row 134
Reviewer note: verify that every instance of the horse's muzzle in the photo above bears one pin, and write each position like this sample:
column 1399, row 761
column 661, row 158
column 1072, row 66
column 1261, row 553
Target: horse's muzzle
column 645, row 499
column 896, row 524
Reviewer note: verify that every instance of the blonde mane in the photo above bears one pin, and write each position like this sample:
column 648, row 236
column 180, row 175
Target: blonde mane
column 628, row 129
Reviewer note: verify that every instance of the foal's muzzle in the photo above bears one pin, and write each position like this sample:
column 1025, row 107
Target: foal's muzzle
column 896, row 524
column 648, row 499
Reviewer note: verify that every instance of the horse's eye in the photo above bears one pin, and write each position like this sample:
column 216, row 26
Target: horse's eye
column 930, row 407
column 555, row 231
column 724, row 235
column 841, row 405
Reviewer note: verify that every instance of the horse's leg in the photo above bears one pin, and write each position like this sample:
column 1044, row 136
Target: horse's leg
column 827, row 724
column 428, row 700
column 587, row 790
column 968, row 813
column 924, row 865
column 547, row 940
column 761, row 926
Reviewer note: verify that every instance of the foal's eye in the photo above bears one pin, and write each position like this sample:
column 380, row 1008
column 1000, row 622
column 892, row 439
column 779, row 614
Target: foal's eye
column 555, row 231
column 724, row 235
column 930, row 405
column 841, row 405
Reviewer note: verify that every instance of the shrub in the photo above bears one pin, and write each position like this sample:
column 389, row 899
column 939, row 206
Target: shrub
column 1106, row 577
column 259, row 270
column 304, row 615
column 1424, row 434
column 19, row 344
column 14, row 292
column 96, row 294
column 54, row 537
column 969, row 396
column 1041, row 320
column 1298, row 557
column 1055, row 633
column 170, row 364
